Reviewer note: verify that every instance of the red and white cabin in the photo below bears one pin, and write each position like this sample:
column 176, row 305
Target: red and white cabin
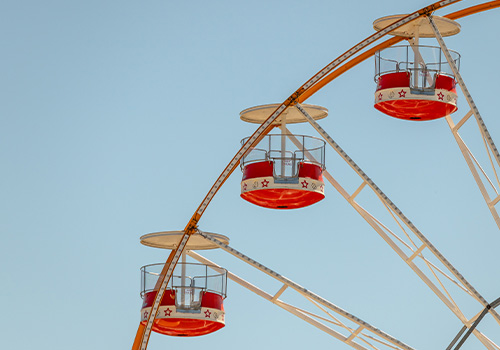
column 284, row 172
column 175, row 321
column 415, row 83
column 192, row 305
column 395, row 97
column 259, row 186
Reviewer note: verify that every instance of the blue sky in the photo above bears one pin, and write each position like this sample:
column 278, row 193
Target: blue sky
column 117, row 117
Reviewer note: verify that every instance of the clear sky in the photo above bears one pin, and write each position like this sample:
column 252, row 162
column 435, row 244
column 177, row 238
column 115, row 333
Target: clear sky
column 117, row 116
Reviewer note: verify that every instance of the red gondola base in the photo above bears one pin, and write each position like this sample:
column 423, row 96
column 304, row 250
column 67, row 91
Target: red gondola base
column 395, row 98
column 259, row 186
column 172, row 321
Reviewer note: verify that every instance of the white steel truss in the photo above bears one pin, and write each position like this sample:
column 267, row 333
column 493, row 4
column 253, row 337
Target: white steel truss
column 489, row 187
column 334, row 321
column 409, row 243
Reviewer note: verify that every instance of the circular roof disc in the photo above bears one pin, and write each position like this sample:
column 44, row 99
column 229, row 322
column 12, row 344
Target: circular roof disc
column 170, row 239
column 446, row 26
column 259, row 114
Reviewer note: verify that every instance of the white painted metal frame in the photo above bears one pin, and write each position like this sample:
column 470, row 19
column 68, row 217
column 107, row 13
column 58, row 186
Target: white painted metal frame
column 478, row 172
column 438, row 274
column 343, row 326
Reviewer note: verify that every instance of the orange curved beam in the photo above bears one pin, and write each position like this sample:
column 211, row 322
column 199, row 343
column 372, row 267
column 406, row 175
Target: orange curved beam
column 138, row 337
column 367, row 54
column 474, row 9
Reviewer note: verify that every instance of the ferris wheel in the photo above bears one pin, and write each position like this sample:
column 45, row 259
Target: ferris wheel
column 285, row 171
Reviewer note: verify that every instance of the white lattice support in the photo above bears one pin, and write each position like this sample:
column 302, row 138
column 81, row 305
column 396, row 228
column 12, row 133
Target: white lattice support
column 396, row 211
column 319, row 325
column 417, row 252
column 314, row 320
column 477, row 177
column 462, row 121
column 281, row 291
column 355, row 334
column 376, row 224
column 307, row 294
column 381, row 230
column 490, row 145
column 495, row 201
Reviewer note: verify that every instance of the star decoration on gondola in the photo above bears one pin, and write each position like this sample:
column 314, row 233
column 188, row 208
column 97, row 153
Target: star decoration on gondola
column 244, row 187
column 145, row 314
column 380, row 96
column 208, row 313
column 168, row 312
column 264, row 183
column 402, row 93
column 304, row 184
column 440, row 96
